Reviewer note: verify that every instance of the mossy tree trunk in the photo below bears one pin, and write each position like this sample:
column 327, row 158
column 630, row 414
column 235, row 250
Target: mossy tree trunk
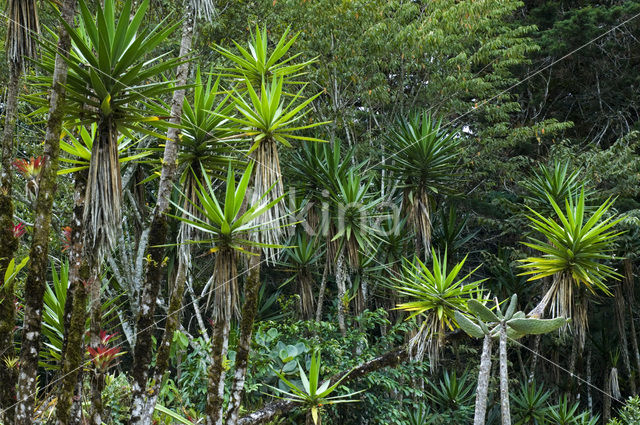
column 8, row 246
column 36, row 277
column 73, row 350
column 141, row 414
column 249, row 313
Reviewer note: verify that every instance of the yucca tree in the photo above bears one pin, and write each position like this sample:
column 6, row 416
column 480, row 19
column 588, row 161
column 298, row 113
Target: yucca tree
column 20, row 46
column 144, row 397
column 270, row 118
column 434, row 294
column 256, row 63
column 554, row 181
column 424, row 159
column 313, row 394
column 353, row 206
column 300, row 257
column 227, row 231
column 268, row 113
column 574, row 247
column 110, row 75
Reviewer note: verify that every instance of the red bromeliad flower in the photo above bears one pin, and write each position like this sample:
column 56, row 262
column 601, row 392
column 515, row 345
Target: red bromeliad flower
column 66, row 235
column 103, row 356
column 30, row 168
column 19, row 230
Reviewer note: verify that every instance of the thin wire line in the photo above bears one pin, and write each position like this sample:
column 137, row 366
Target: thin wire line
column 483, row 103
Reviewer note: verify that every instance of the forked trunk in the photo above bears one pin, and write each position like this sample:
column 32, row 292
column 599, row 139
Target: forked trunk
column 482, row 390
column 36, row 278
column 504, row 377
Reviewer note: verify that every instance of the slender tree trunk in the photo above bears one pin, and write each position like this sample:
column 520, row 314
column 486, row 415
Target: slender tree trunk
column 622, row 331
column 323, row 288
column 589, row 396
column 8, row 246
column 629, row 283
column 342, row 290
column 606, row 397
column 36, row 278
column 482, row 390
column 504, row 377
column 164, row 350
column 215, row 395
column 155, row 267
column 78, row 278
column 249, row 312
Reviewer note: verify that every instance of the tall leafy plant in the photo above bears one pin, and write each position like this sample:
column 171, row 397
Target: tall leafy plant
column 574, row 249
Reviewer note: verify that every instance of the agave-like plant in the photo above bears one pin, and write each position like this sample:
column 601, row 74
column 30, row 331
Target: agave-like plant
column 424, row 160
column 257, row 63
column 227, row 231
column 313, row 394
column 110, row 74
column 269, row 119
column 574, row 248
column 435, row 294
column 80, row 146
column 300, row 257
column 555, row 182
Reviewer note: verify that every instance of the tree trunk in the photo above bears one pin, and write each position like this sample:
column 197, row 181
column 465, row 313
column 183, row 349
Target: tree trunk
column 629, row 283
column 8, row 246
column 504, row 377
column 249, row 312
column 155, row 267
column 164, row 350
column 483, row 382
column 622, row 331
column 342, row 290
column 215, row 395
column 36, row 278
column 323, row 288
column 606, row 397
column 74, row 332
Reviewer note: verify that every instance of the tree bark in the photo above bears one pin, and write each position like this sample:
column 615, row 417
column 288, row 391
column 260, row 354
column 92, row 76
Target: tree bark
column 36, row 278
column 483, row 382
column 504, row 377
column 323, row 288
column 249, row 312
column 620, row 308
column 145, row 324
column 341, row 283
column 78, row 277
column 280, row 407
column 8, row 246
column 629, row 283
column 215, row 385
